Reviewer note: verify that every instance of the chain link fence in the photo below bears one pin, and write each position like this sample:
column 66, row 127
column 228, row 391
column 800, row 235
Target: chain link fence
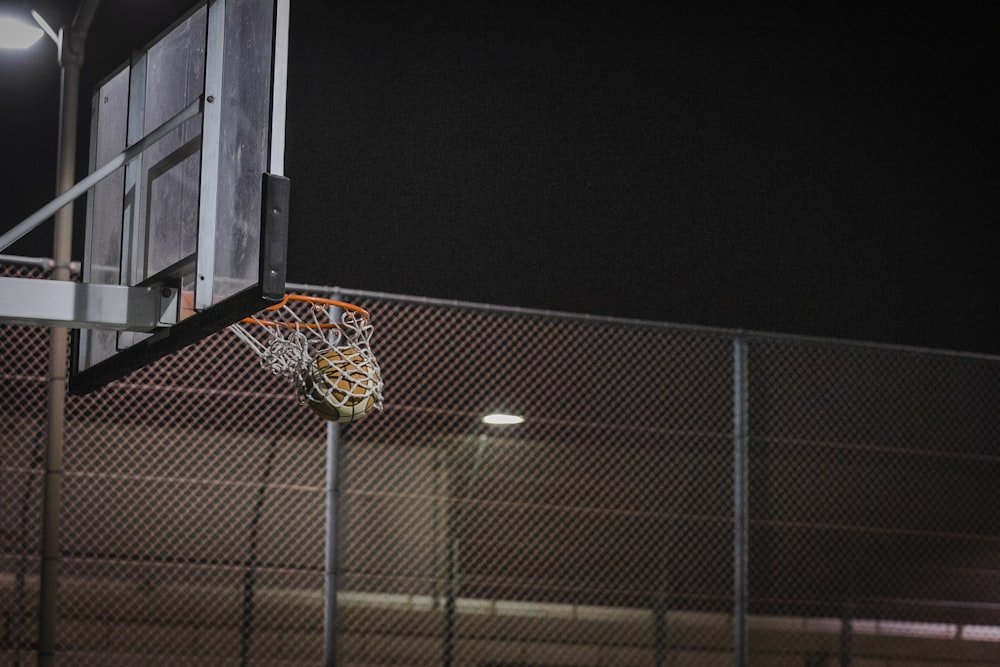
column 600, row 531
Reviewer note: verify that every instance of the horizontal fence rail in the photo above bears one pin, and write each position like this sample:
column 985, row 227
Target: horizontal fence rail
column 666, row 501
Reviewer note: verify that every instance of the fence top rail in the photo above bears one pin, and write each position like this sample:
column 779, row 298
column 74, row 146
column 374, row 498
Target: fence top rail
column 693, row 329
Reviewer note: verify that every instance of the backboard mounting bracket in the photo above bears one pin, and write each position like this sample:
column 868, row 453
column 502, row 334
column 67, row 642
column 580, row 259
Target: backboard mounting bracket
column 60, row 303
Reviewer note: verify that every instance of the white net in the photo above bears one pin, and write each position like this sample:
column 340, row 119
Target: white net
column 323, row 347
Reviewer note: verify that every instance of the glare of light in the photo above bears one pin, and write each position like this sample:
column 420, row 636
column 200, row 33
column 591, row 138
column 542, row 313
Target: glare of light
column 501, row 419
column 982, row 633
column 16, row 34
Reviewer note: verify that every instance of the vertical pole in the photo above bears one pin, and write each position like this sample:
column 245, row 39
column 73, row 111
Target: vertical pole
column 250, row 574
column 740, row 496
column 846, row 639
column 331, row 548
column 58, row 348
column 660, row 632
column 451, row 594
column 458, row 495
column 332, row 531
column 70, row 60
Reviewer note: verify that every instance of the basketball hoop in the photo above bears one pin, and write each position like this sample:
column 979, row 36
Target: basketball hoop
column 323, row 347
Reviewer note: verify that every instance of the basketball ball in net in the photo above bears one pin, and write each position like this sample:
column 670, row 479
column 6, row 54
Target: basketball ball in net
column 341, row 385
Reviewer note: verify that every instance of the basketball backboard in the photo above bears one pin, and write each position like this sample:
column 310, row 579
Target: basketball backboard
column 197, row 217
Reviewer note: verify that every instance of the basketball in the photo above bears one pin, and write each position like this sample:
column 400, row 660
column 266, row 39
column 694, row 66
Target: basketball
column 342, row 385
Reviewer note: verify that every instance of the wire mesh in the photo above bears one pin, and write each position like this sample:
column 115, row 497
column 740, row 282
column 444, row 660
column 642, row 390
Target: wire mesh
column 598, row 532
column 874, row 503
column 551, row 540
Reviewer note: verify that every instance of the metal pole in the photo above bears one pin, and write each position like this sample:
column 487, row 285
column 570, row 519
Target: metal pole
column 250, row 574
column 660, row 639
column 58, row 349
column 70, row 59
column 332, row 527
column 451, row 595
column 331, row 553
column 846, row 639
column 456, row 525
column 740, row 496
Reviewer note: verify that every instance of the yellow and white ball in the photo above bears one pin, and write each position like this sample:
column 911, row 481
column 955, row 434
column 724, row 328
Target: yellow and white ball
column 342, row 385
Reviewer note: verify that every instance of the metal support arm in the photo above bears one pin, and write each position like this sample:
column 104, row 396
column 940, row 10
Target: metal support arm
column 82, row 306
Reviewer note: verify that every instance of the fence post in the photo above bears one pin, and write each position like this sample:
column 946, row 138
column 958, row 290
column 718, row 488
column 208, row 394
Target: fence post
column 332, row 532
column 331, row 546
column 846, row 639
column 740, row 497
column 250, row 573
column 660, row 632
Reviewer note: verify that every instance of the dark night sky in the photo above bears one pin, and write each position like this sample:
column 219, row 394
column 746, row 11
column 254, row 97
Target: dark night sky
column 813, row 168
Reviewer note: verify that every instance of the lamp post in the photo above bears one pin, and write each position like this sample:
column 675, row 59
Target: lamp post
column 70, row 45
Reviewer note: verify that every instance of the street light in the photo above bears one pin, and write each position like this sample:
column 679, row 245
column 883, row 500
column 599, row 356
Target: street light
column 15, row 34
column 502, row 419
column 70, row 46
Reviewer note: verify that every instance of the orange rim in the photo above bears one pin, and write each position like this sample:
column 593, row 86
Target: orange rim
column 317, row 302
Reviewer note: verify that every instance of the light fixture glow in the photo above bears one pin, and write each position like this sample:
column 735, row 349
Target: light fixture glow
column 501, row 419
column 16, row 34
